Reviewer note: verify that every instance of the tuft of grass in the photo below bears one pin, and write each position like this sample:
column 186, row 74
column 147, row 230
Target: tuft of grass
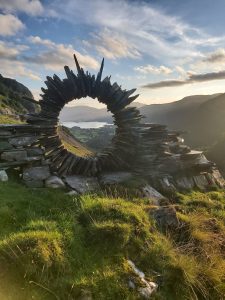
column 108, row 232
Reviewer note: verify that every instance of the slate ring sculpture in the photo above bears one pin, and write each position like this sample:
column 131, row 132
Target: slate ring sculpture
column 123, row 149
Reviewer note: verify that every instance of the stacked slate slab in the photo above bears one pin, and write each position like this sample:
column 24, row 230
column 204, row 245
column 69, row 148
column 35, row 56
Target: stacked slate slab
column 18, row 151
column 169, row 164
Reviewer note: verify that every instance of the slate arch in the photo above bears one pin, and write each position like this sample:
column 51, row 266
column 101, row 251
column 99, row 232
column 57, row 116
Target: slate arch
column 121, row 154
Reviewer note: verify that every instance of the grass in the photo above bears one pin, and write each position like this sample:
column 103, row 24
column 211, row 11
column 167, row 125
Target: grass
column 54, row 246
column 71, row 144
column 4, row 119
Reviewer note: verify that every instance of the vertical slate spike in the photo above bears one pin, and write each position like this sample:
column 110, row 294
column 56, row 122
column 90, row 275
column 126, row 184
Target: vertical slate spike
column 99, row 76
column 77, row 64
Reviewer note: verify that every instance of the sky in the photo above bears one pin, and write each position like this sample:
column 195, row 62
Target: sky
column 167, row 49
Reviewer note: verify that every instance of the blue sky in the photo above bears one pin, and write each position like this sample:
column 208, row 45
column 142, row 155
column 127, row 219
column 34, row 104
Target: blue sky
column 166, row 49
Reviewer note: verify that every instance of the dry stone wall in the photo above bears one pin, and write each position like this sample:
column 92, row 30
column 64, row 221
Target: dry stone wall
column 17, row 151
column 163, row 159
column 170, row 165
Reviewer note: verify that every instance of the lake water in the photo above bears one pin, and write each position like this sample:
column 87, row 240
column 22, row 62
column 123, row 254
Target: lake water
column 85, row 124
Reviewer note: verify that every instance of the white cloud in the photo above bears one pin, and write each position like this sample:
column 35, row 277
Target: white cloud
column 151, row 31
column 38, row 41
column 15, row 69
column 218, row 56
column 149, row 69
column 10, row 25
column 55, row 56
column 209, row 62
column 36, row 93
column 8, row 52
column 180, row 70
column 33, row 7
column 10, row 62
column 112, row 45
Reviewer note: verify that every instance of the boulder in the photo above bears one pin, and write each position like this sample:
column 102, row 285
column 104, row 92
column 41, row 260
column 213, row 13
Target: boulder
column 54, row 182
column 82, row 184
column 152, row 194
column 36, row 173
column 14, row 155
column 3, row 176
column 114, row 177
column 165, row 216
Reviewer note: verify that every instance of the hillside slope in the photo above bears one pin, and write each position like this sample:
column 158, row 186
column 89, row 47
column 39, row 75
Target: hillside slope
column 11, row 97
column 72, row 143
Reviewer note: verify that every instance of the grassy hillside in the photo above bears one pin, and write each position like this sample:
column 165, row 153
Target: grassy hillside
column 11, row 97
column 94, row 138
column 71, row 142
column 54, row 246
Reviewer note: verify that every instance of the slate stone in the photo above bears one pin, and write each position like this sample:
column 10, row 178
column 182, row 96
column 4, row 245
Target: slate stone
column 218, row 178
column 14, row 155
column 36, row 173
column 22, row 141
column 114, row 177
column 3, row 176
column 54, row 182
column 4, row 145
column 82, row 184
column 34, row 151
column 165, row 216
column 201, row 182
column 152, row 194
column 185, row 183
column 5, row 133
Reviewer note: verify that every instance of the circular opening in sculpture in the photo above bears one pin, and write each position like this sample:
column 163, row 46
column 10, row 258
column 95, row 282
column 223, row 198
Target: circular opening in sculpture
column 86, row 127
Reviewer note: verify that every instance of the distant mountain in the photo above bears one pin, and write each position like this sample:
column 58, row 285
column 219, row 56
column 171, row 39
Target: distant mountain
column 88, row 114
column 201, row 116
column 11, row 97
column 84, row 113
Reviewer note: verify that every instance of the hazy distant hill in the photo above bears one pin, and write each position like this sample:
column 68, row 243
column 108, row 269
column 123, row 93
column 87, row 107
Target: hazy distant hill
column 87, row 113
column 84, row 113
column 202, row 117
